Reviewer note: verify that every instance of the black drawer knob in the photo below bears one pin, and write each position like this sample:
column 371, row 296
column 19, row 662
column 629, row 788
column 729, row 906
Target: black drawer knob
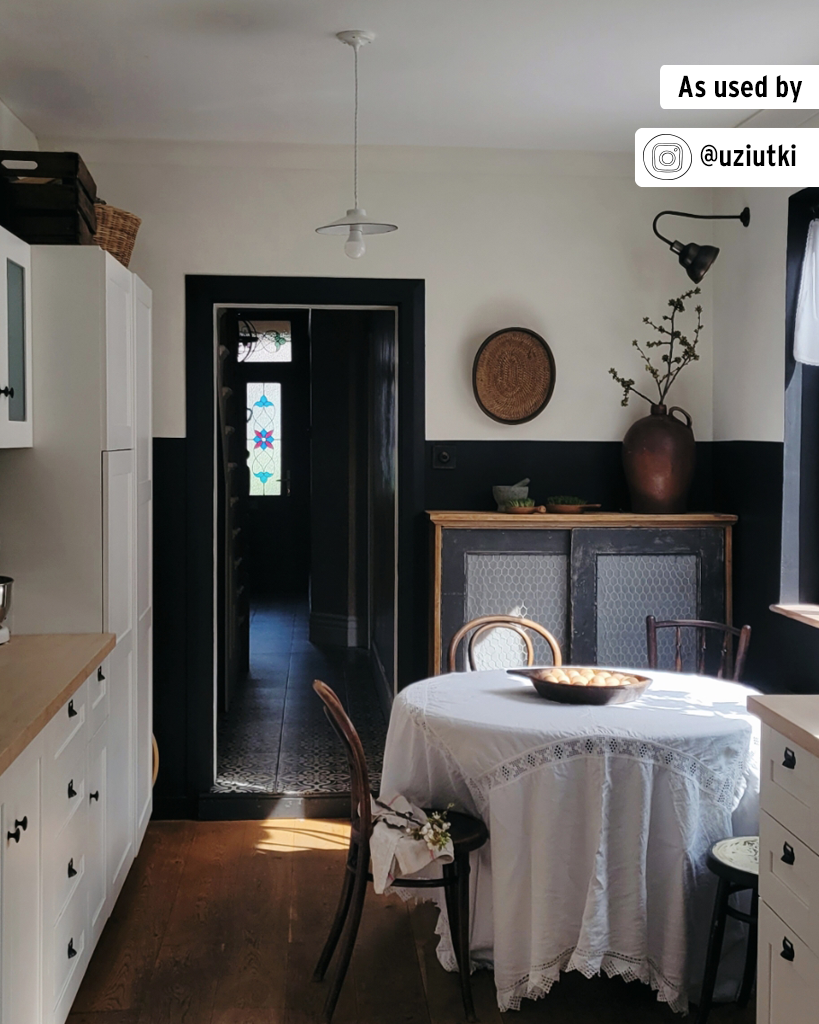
column 100, row 675
column 71, row 951
column 71, row 791
column 788, row 856
column 72, row 871
column 788, row 952
column 21, row 822
column 7, row 392
column 95, row 795
column 789, row 759
column 72, row 711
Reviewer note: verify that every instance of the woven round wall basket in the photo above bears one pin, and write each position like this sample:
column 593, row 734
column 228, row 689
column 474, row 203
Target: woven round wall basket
column 513, row 375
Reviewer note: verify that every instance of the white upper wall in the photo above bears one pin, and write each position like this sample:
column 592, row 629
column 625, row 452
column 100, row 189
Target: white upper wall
column 558, row 242
column 13, row 133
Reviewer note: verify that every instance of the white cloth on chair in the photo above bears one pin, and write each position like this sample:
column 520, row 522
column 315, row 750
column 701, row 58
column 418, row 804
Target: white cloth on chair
column 806, row 331
column 394, row 851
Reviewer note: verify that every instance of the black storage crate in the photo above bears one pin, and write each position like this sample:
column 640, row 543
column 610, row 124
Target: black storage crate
column 47, row 198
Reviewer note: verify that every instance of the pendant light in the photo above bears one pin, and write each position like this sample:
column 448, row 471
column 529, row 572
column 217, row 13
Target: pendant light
column 356, row 223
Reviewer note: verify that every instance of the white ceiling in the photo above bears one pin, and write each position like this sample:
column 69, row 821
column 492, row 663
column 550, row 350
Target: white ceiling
column 533, row 74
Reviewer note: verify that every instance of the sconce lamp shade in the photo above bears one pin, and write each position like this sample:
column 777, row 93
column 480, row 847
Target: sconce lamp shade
column 696, row 259
column 356, row 218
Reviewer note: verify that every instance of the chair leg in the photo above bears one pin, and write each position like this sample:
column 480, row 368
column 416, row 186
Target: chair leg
column 714, row 949
column 750, row 955
column 349, row 932
column 338, row 922
column 457, row 906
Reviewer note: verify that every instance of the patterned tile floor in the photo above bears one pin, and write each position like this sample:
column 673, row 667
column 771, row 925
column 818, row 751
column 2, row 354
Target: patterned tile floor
column 275, row 738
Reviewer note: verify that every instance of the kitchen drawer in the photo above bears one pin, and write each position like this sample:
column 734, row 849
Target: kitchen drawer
column 98, row 697
column 64, row 866
column 789, row 879
column 789, row 789
column 64, row 789
column 65, row 727
column 788, row 974
column 66, row 949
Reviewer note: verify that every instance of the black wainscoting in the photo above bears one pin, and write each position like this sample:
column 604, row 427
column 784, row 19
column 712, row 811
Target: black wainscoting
column 590, row 469
column 172, row 798
column 784, row 655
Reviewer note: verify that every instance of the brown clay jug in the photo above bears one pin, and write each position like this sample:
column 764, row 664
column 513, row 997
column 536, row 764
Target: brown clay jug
column 659, row 455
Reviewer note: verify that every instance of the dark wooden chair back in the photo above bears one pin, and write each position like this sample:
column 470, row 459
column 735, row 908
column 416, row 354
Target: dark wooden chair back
column 702, row 629
column 360, row 807
column 485, row 623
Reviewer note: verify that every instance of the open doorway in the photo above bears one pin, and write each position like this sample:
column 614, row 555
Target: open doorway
column 306, row 541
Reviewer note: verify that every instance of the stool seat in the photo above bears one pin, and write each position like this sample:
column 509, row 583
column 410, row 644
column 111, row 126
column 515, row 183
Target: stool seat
column 736, row 859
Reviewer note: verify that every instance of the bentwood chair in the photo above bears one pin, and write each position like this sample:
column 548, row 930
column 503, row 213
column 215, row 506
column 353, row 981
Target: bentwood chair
column 486, row 623
column 702, row 629
column 467, row 834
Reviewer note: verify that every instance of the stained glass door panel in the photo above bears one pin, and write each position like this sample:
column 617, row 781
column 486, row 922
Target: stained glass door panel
column 264, row 437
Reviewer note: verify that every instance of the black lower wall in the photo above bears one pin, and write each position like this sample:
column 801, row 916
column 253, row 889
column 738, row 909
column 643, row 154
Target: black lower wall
column 740, row 477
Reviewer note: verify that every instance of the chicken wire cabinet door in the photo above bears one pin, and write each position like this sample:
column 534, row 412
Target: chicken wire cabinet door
column 621, row 576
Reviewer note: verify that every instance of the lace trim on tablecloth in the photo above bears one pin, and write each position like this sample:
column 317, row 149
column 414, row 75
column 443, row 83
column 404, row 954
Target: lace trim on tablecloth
column 722, row 787
column 539, row 981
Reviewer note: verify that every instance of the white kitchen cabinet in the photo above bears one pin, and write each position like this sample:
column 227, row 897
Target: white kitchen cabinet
column 20, row 885
column 15, row 342
column 97, row 855
column 119, row 804
column 118, row 543
column 143, row 432
column 788, row 966
column 118, row 353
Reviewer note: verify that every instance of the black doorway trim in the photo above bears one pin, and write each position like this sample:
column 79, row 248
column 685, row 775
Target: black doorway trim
column 202, row 293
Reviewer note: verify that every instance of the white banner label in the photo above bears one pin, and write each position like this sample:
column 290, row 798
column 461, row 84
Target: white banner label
column 727, row 157
column 739, row 86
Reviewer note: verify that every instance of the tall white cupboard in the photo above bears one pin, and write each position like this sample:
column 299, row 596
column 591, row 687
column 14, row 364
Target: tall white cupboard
column 75, row 534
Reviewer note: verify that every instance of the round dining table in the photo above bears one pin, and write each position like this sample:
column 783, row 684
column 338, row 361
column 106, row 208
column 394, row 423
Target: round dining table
column 600, row 819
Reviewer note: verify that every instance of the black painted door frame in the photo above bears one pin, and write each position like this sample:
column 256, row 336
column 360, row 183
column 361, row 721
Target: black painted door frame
column 202, row 294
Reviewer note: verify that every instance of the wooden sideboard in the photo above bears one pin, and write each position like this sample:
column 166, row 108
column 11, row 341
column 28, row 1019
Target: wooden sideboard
column 591, row 579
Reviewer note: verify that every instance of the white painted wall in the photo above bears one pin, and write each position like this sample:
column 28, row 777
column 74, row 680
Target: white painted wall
column 13, row 133
column 558, row 242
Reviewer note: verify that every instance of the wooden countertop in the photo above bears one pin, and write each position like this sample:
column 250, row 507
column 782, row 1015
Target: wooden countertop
column 549, row 521
column 37, row 676
column 795, row 715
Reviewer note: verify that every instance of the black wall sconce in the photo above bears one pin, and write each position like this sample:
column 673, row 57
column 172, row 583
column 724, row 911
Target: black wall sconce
column 697, row 259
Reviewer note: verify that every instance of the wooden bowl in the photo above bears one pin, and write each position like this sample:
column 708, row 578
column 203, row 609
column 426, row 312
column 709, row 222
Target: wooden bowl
column 569, row 510
column 570, row 693
column 519, row 510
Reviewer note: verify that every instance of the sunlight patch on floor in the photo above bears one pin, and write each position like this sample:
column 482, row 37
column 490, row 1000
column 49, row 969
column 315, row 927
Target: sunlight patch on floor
column 295, row 835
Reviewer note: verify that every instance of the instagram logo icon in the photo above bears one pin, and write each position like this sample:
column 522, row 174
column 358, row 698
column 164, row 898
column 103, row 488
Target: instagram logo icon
column 667, row 156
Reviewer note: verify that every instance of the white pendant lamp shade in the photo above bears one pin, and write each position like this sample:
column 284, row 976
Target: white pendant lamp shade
column 355, row 223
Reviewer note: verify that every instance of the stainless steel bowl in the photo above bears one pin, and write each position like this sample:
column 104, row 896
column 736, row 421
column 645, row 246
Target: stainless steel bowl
column 5, row 596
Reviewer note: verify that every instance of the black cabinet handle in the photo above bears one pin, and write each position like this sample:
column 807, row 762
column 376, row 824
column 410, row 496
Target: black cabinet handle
column 72, row 871
column 789, row 760
column 94, row 796
column 100, row 676
column 71, row 791
column 71, row 951
column 72, row 711
column 8, row 392
column 788, row 856
column 788, row 952
column 21, row 823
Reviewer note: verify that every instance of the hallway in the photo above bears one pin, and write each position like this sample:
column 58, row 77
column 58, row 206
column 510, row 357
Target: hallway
column 275, row 738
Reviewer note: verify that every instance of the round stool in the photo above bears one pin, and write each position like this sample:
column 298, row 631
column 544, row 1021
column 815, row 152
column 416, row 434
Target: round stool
column 735, row 862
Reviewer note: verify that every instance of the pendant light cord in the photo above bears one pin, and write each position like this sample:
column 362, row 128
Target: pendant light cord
column 355, row 134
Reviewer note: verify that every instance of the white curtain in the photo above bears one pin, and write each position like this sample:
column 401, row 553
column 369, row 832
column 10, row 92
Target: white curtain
column 806, row 332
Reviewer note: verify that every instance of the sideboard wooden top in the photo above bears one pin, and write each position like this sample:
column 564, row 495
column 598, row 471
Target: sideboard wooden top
column 547, row 521
column 794, row 715
column 37, row 676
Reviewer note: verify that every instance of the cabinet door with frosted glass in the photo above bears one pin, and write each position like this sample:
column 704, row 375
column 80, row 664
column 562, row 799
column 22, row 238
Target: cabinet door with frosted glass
column 15, row 343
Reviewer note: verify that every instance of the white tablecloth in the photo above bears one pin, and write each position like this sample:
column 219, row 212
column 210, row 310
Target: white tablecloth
column 600, row 819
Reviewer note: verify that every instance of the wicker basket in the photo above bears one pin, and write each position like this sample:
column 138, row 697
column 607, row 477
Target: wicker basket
column 116, row 231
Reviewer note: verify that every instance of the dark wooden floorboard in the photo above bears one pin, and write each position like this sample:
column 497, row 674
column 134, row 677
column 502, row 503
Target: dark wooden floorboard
column 129, row 945
column 222, row 923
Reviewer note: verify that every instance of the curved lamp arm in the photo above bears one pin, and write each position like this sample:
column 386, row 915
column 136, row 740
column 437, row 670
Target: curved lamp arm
column 744, row 218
